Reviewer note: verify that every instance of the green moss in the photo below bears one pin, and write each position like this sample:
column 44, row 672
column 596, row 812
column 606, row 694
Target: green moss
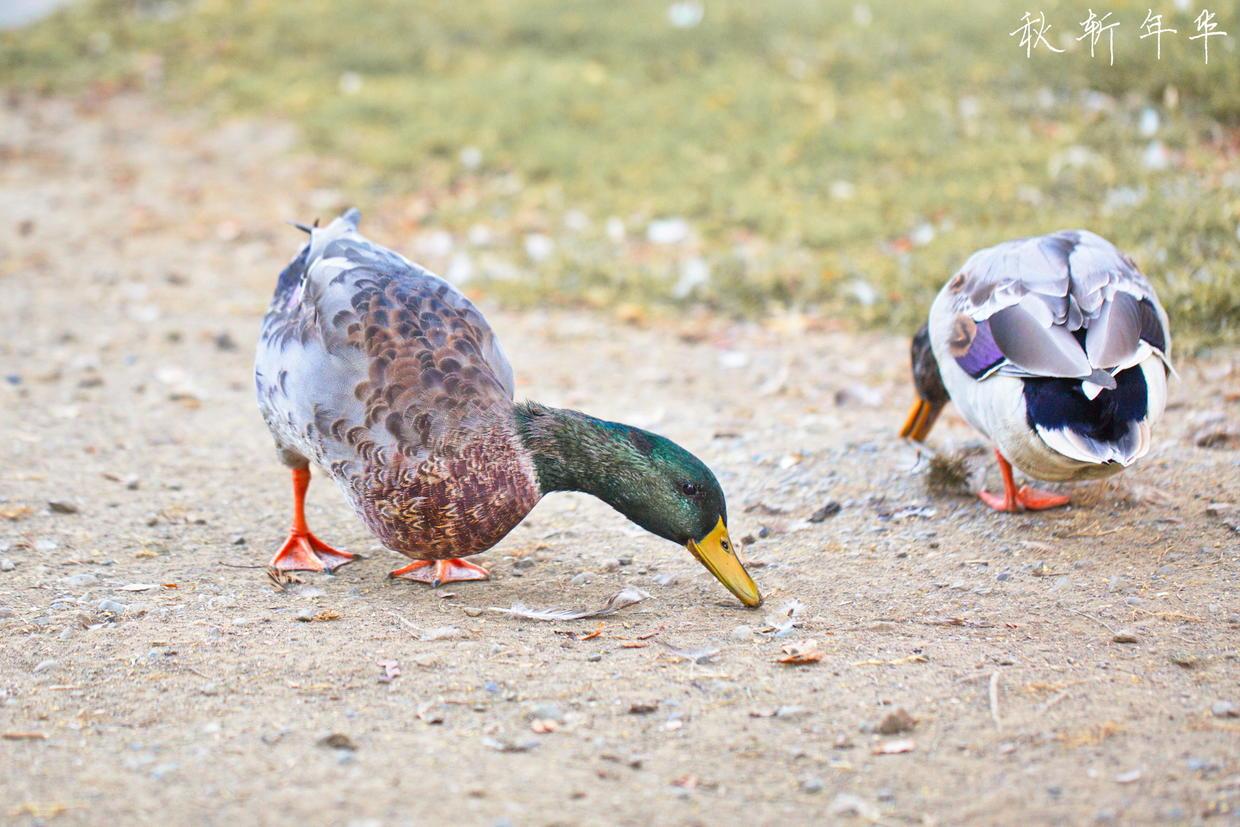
column 804, row 146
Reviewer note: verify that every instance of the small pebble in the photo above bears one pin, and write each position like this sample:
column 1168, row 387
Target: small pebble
column 895, row 722
column 1225, row 709
column 822, row 514
column 111, row 606
column 611, row 565
column 742, row 633
column 1187, row 660
column 594, row 657
column 62, row 507
column 79, row 580
column 581, row 578
column 547, row 712
column 472, row 611
column 812, row 784
column 44, row 666
column 626, row 561
column 6, row 564
column 1125, row 636
column 305, row 615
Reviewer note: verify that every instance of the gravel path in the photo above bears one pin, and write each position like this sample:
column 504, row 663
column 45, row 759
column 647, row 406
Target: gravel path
column 1072, row 666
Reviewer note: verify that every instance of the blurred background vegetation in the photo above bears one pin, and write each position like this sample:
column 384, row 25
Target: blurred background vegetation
column 837, row 158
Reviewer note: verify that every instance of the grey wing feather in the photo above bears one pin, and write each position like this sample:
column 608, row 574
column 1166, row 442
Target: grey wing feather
column 380, row 355
column 1038, row 292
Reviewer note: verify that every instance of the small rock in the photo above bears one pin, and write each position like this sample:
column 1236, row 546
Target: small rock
column 1225, row 709
column 79, row 580
column 1128, row 777
column 1185, row 659
column 224, row 341
column 641, row 708
column 522, row 563
column 6, row 564
column 547, row 712
column 812, row 784
column 1125, row 636
column 594, row 657
column 611, row 565
column 828, row 510
column 472, row 611
column 44, row 666
column 305, row 615
column 625, row 561
column 338, row 740
column 581, row 578
column 111, row 606
column 742, row 633
column 62, row 507
column 896, row 722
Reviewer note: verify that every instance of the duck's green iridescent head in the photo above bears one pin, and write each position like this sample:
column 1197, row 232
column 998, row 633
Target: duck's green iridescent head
column 647, row 478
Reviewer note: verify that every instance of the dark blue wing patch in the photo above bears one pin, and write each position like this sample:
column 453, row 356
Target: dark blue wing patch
column 1055, row 403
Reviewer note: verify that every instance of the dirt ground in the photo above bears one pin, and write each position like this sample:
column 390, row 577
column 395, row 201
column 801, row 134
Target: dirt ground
column 139, row 252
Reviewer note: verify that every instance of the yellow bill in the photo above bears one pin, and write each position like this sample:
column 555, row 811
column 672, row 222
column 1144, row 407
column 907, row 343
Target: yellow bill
column 716, row 552
column 921, row 419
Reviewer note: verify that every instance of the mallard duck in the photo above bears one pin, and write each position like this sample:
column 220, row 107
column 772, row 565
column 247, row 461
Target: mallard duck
column 1056, row 348
column 390, row 381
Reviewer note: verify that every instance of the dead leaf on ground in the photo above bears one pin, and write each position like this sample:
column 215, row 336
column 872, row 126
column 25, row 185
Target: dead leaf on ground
column 591, row 635
column 801, row 653
column 15, row 512
column 39, row 811
column 1090, row 735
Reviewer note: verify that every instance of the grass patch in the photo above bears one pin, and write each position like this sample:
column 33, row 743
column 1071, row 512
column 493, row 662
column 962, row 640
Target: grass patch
column 838, row 158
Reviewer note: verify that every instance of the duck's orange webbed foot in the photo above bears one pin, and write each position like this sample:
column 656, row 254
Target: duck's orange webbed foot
column 438, row 572
column 1019, row 499
column 1023, row 499
column 302, row 551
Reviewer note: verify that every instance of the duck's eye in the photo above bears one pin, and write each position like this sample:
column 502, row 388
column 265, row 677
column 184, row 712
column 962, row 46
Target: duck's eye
column 688, row 489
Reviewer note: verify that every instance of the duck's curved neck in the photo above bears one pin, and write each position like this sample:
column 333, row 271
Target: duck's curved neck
column 575, row 452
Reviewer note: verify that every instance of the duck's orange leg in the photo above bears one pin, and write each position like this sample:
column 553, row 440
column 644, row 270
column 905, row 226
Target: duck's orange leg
column 1019, row 499
column 438, row 572
column 302, row 551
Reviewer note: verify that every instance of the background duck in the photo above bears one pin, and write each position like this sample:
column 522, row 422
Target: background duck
column 1057, row 349
column 392, row 382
